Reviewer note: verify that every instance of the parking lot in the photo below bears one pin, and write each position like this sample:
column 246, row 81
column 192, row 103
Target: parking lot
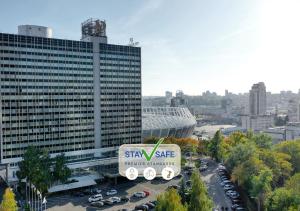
column 215, row 190
column 68, row 202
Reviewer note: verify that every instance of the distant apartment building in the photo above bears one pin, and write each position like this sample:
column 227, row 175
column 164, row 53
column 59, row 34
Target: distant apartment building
column 257, row 118
column 258, row 99
column 80, row 98
column 168, row 96
column 293, row 110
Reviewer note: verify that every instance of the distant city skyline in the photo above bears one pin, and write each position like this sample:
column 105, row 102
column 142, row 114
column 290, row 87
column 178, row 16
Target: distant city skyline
column 194, row 46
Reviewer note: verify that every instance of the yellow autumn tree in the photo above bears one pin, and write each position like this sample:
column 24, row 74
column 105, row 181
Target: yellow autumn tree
column 8, row 203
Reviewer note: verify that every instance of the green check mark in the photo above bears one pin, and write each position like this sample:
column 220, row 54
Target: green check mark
column 148, row 157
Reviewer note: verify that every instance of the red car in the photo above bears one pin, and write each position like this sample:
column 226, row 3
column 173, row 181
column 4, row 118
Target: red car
column 147, row 193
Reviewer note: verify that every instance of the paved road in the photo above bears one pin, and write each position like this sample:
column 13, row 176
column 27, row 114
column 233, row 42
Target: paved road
column 215, row 190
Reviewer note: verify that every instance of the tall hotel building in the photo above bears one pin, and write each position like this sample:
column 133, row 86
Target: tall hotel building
column 80, row 98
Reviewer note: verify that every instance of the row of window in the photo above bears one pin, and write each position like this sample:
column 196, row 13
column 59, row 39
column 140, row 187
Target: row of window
column 50, row 55
column 52, row 74
column 46, row 67
column 45, row 61
column 44, row 41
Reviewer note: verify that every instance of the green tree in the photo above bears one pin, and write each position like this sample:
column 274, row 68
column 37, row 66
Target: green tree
column 199, row 199
column 8, row 203
column 214, row 146
column 239, row 154
column 278, row 163
column 169, row 201
column 182, row 191
column 35, row 168
column 61, row 172
column 292, row 148
column 261, row 185
column 293, row 184
column 243, row 172
column 282, row 199
column 262, row 140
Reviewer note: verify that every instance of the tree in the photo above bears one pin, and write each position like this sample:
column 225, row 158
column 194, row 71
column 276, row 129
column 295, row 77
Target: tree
column 35, row 168
column 239, row 154
column 294, row 184
column 242, row 173
column 182, row 191
column 278, row 163
column 169, row 201
column 199, row 200
column 61, row 172
column 261, row 185
column 262, row 140
column 9, row 203
column 214, row 145
column 291, row 148
column 282, row 199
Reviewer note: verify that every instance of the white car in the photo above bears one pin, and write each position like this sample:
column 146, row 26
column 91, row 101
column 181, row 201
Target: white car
column 115, row 199
column 97, row 204
column 111, row 192
column 96, row 197
column 139, row 194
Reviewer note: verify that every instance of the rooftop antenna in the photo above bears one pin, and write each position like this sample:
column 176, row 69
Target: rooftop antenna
column 132, row 43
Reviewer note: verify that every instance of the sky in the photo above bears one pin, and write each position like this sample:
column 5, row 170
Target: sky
column 191, row 45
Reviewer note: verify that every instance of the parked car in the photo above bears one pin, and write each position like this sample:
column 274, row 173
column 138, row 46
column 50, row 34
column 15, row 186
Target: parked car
column 115, row 199
column 87, row 192
column 228, row 187
column 223, row 178
column 240, row 209
column 203, row 168
column 142, row 207
column 236, row 201
column 153, row 202
column 125, row 198
column 150, row 205
column 188, row 183
column 139, row 194
column 173, row 186
column 96, row 190
column 97, row 204
column 96, row 197
column 78, row 194
column 111, row 192
column 234, row 206
column 146, row 192
column 108, row 202
column 226, row 182
column 203, row 162
column 232, row 194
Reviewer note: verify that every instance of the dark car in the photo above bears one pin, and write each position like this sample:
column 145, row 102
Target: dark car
column 125, row 198
column 142, row 207
column 153, row 202
column 173, row 186
column 78, row 194
column 236, row 201
column 235, row 206
column 150, row 205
